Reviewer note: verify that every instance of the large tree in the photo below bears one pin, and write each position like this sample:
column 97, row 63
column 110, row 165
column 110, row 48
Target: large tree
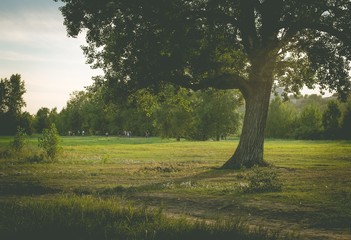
column 237, row 44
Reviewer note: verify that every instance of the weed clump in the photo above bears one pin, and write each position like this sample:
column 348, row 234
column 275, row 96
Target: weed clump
column 263, row 180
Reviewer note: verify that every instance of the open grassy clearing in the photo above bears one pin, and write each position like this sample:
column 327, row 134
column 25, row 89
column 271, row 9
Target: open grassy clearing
column 183, row 177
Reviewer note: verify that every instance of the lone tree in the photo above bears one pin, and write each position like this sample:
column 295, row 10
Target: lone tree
column 250, row 45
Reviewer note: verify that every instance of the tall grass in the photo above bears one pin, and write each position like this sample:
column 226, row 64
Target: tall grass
column 87, row 217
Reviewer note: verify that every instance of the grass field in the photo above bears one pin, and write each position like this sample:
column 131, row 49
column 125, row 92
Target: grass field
column 138, row 188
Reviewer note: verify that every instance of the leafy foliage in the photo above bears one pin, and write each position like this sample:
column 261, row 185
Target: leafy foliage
column 331, row 120
column 309, row 117
column 192, row 43
column 217, row 114
column 19, row 140
column 50, row 142
column 172, row 112
column 174, row 116
column 281, row 119
column 346, row 122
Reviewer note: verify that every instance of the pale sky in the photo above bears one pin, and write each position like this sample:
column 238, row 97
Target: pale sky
column 34, row 43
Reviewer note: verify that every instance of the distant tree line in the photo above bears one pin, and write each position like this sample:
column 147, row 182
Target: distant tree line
column 309, row 117
column 173, row 112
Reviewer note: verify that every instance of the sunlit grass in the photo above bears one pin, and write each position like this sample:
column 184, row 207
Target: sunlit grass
column 87, row 217
column 184, row 177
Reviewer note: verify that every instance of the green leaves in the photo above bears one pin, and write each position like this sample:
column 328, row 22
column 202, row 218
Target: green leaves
column 50, row 142
column 19, row 140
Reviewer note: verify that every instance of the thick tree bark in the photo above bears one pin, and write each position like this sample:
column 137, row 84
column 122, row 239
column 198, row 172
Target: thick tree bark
column 250, row 149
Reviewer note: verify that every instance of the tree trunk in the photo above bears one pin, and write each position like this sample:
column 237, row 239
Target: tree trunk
column 250, row 149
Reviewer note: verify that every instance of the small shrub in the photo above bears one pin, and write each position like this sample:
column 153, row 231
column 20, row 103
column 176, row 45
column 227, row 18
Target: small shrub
column 19, row 140
column 263, row 180
column 50, row 142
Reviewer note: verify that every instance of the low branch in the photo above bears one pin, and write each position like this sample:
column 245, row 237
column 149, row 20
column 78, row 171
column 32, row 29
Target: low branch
column 223, row 81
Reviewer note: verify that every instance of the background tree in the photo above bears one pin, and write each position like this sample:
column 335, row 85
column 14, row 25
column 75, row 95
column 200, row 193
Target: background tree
column 309, row 123
column 300, row 102
column 42, row 120
column 73, row 112
column 174, row 114
column 331, row 120
column 216, row 114
column 11, row 103
column 15, row 100
column 241, row 44
column 86, row 111
column 26, row 122
column 281, row 119
column 346, row 121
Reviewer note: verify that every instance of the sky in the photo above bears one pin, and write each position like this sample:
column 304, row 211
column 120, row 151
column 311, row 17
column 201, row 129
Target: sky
column 34, row 44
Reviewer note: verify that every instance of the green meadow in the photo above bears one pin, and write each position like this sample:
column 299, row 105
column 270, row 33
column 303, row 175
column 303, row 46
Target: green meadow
column 153, row 188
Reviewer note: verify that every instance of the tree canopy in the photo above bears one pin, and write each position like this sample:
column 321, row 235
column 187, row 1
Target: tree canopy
column 215, row 43
column 248, row 45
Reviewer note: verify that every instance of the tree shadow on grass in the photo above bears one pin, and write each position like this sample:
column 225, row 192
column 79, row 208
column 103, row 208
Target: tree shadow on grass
column 213, row 173
column 26, row 189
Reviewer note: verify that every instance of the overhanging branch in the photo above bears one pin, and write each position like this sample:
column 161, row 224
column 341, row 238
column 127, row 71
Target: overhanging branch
column 223, row 81
column 295, row 27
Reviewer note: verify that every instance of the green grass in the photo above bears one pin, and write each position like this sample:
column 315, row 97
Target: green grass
column 73, row 217
column 183, row 177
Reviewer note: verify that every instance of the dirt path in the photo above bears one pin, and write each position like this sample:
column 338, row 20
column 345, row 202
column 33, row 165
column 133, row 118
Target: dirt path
column 217, row 208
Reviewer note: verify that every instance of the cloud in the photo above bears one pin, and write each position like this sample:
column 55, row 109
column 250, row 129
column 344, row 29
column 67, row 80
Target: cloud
column 34, row 43
column 29, row 27
column 34, row 31
column 7, row 55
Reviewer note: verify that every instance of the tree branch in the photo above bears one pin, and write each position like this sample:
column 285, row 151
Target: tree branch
column 247, row 25
column 295, row 27
column 223, row 81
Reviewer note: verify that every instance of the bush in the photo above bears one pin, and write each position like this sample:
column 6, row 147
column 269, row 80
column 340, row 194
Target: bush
column 50, row 142
column 263, row 180
column 19, row 140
